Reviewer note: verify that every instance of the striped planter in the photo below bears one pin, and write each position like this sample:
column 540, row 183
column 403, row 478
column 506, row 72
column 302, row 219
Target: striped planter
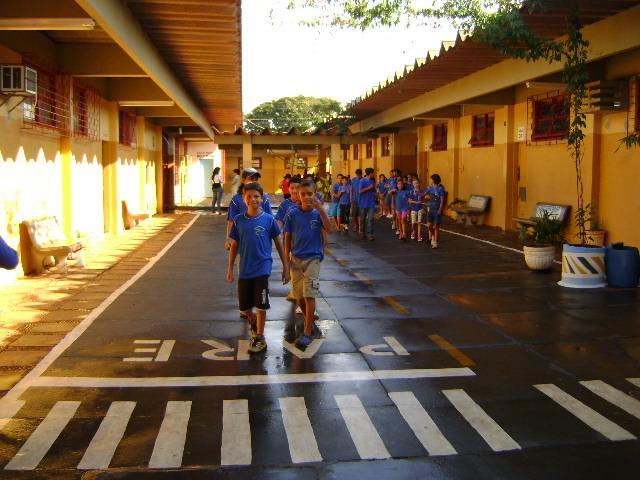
column 583, row 267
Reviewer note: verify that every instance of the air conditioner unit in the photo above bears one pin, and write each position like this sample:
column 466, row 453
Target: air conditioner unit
column 605, row 96
column 18, row 80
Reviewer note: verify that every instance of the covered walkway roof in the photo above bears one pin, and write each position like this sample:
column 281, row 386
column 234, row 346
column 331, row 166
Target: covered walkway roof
column 176, row 61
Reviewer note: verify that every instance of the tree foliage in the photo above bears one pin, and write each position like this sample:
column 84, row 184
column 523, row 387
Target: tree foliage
column 283, row 114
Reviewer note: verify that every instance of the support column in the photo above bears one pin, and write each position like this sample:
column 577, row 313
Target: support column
column 336, row 158
column 509, row 174
column 66, row 159
column 141, row 161
column 454, row 136
column 110, row 191
column 247, row 156
column 591, row 163
column 157, row 161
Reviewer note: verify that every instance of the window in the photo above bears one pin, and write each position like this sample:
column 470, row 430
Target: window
column 127, row 129
column 551, row 118
column 256, row 162
column 369, row 149
column 80, row 111
column 49, row 109
column 482, row 130
column 385, row 146
column 345, row 155
column 439, row 137
column 356, row 152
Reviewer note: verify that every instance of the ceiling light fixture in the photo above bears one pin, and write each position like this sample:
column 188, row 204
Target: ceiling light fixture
column 47, row 24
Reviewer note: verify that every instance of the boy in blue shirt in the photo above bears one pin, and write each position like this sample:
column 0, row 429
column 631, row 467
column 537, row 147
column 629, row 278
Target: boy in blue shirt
column 237, row 205
column 436, row 195
column 304, row 230
column 8, row 256
column 287, row 204
column 251, row 235
column 416, row 203
column 367, row 203
column 344, row 201
column 335, row 201
column 355, row 200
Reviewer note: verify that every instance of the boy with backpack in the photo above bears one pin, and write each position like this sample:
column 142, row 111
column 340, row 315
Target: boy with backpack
column 437, row 196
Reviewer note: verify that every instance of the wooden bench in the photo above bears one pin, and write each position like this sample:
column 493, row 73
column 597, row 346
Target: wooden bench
column 557, row 212
column 131, row 219
column 472, row 212
column 43, row 238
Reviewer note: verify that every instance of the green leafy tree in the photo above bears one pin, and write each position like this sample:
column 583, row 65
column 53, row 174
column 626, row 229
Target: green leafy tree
column 497, row 23
column 299, row 112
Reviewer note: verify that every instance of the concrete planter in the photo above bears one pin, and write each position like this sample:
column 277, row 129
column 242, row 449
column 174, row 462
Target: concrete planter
column 539, row 258
column 583, row 267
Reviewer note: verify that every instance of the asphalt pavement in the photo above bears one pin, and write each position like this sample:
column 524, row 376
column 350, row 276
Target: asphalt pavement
column 453, row 363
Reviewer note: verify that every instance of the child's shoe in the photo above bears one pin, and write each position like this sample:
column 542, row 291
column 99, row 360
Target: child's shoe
column 257, row 344
column 304, row 340
column 299, row 310
column 420, row 239
column 434, row 244
column 413, row 236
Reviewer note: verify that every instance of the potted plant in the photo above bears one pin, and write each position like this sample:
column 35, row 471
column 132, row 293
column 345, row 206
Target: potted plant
column 596, row 233
column 540, row 240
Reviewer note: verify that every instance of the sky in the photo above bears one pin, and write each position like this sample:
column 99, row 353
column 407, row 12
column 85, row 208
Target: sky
column 281, row 58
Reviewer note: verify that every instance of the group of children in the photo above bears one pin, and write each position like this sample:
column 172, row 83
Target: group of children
column 251, row 232
column 401, row 199
column 252, row 229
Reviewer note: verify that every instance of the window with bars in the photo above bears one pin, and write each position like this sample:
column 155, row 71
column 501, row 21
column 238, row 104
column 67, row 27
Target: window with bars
column 345, row 155
column 127, row 128
column 551, row 118
column 356, row 152
column 86, row 113
column 385, row 146
column 256, row 162
column 369, row 149
column 439, row 137
column 482, row 133
column 49, row 110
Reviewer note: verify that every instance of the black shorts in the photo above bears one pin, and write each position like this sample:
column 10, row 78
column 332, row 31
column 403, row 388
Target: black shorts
column 253, row 292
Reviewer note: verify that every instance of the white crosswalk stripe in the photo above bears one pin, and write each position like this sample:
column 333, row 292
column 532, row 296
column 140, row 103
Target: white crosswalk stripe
column 363, row 433
column 302, row 442
column 489, row 430
column 421, row 423
column 236, row 433
column 104, row 443
column 41, row 440
column 586, row 414
column 169, row 446
column 236, row 439
column 614, row 396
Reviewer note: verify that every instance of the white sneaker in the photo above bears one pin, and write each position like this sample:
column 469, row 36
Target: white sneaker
column 298, row 310
column 434, row 244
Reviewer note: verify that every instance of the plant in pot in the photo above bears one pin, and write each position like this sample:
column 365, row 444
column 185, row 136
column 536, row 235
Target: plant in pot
column 596, row 233
column 540, row 240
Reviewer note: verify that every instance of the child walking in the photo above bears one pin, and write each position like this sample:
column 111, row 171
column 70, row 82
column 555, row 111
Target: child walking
column 401, row 209
column 344, row 198
column 416, row 202
column 436, row 195
column 251, row 235
column 304, row 246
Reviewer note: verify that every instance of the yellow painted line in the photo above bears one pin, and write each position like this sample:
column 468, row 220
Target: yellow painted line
column 460, row 357
column 394, row 303
column 342, row 263
column 328, row 250
column 363, row 278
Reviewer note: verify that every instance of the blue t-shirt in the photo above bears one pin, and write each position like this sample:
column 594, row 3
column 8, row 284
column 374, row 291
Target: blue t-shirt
column 344, row 198
column 8, row 256
column 355, row 186
column 368, row 198
column 409, row 186
column 254, row 236
column 402, row 197
column 335, row 188
column 283, row 209
column 437, row 193
column 305, row 228
column 391, row 184
column 237, row 206
column 417, row 196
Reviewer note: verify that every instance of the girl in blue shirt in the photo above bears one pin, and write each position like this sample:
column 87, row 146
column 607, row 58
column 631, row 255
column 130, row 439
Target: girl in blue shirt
column 382, row 192
column 344, row 201
column 402, row 209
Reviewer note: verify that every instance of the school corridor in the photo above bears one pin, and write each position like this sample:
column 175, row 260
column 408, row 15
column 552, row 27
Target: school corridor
column 450, row 363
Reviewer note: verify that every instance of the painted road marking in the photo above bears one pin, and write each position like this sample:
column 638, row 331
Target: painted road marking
column 164, row 352
column 104, row 443
column 302, row 442
column 635, row 381
column 396, row 346
column 41, row 440
column 10, row 403
column 489, row 430
column 169, row 446
column 421, row 423
column 615, row 396
column 244, row 380
column 454, row 352
column 236, row 433
column 397, row 307
column 363, row 433
column 587, row 415
column 363, row 278
column 308, row 352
